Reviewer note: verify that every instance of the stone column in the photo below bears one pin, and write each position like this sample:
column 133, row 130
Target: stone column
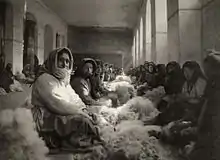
column 159, row 31
column 14, row 35
column 184, row 30
column 210, row 25
column 148, row 32
column 137, row 47
column 40, row 44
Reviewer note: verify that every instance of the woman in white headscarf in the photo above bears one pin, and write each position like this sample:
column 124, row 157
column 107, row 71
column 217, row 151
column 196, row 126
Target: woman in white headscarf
column 58, row 111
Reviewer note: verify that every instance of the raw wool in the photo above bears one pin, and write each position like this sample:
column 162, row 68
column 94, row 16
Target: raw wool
column 123, row 78
column 142, row 107
column 18, row 138
column 20, row 76
column 27, row 103
column 16, row 87
column 155, row 95
column 132, row 138
column 2, row 92
column 123, row 89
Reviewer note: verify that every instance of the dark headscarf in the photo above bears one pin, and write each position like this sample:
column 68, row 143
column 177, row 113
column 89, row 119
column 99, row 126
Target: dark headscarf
column 79, row 71
column 193, row 65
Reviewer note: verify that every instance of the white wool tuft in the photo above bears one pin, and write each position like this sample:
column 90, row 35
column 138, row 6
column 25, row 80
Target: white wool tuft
column 18, row 137
column 123, row 78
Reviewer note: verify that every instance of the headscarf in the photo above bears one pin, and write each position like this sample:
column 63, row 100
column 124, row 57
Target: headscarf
column 173, row 66
column 79, row 71
column 50, row 65
column 193, row 65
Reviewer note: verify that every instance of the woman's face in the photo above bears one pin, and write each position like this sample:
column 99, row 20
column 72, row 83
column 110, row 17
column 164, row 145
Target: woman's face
column 188, row 73
column 151, row 69
column 64, row 61
column 87, row 69
column 99, row 70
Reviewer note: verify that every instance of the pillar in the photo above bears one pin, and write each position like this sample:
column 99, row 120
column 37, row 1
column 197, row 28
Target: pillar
column 14, row 35
column 184, row 30
column 210, row 25
column 159, row 30
column 40, row 44
column 148, row 32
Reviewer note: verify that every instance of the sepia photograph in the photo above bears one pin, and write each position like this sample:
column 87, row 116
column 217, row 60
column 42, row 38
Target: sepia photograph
column 109, row 79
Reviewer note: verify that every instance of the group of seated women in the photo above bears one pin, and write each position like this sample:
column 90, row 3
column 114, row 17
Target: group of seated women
column 181, row 107
column 60, row 100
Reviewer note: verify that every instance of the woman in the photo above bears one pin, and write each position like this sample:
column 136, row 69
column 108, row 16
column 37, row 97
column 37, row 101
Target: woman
column 193, row 89
column 184, row 112
column 189, row 101
column 58, row 111
column 7, row 77
column 81, row 81
column 208, row 143
column 174, row 78
column 161, row 74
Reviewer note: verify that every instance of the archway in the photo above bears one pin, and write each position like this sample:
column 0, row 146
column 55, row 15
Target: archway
column 30, row 42
column 48, row 40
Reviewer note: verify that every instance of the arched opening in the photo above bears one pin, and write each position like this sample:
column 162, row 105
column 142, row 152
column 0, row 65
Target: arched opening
column 48, row 40
column 137, row 48
column 141, row 40
column 30, row 42
column 148, row 35
column 3, row 6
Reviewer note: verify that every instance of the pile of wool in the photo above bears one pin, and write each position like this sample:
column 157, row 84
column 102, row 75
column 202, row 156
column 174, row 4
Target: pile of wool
column 156, row 94
column 18, row 138
column 138, row 108
column 123, row 78
column 16, row 87
column 133, row 139
column 123, row 89
column 2, row 92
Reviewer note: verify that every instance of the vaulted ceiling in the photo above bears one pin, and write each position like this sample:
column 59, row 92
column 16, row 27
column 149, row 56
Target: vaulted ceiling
column 97, row 13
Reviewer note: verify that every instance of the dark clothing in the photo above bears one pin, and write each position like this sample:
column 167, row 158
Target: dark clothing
column 208, row 144
column 6, row 80
column 174, row 82
column 83, row 88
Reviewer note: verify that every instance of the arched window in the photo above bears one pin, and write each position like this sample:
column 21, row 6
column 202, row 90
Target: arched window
column 48, row 40
column 30, row 42
column 137, row 48
column 148, row 35
column 141, row 40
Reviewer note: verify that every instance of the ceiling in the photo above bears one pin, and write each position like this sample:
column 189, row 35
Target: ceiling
column 100, row 13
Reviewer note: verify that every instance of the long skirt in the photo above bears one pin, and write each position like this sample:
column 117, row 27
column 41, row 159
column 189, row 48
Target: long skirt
column 55, row 129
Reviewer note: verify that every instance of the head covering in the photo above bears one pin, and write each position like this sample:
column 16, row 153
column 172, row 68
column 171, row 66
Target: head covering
column 193, row 65
column 79, row 71
column 50, row 66
column 173, row 66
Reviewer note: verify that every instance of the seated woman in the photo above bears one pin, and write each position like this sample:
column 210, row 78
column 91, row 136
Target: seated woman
column 58, row 111
column 173, row 84
column 7, row 77
column 81, row 81
column 184, row 112
column 97, row 87
column 187, row 104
